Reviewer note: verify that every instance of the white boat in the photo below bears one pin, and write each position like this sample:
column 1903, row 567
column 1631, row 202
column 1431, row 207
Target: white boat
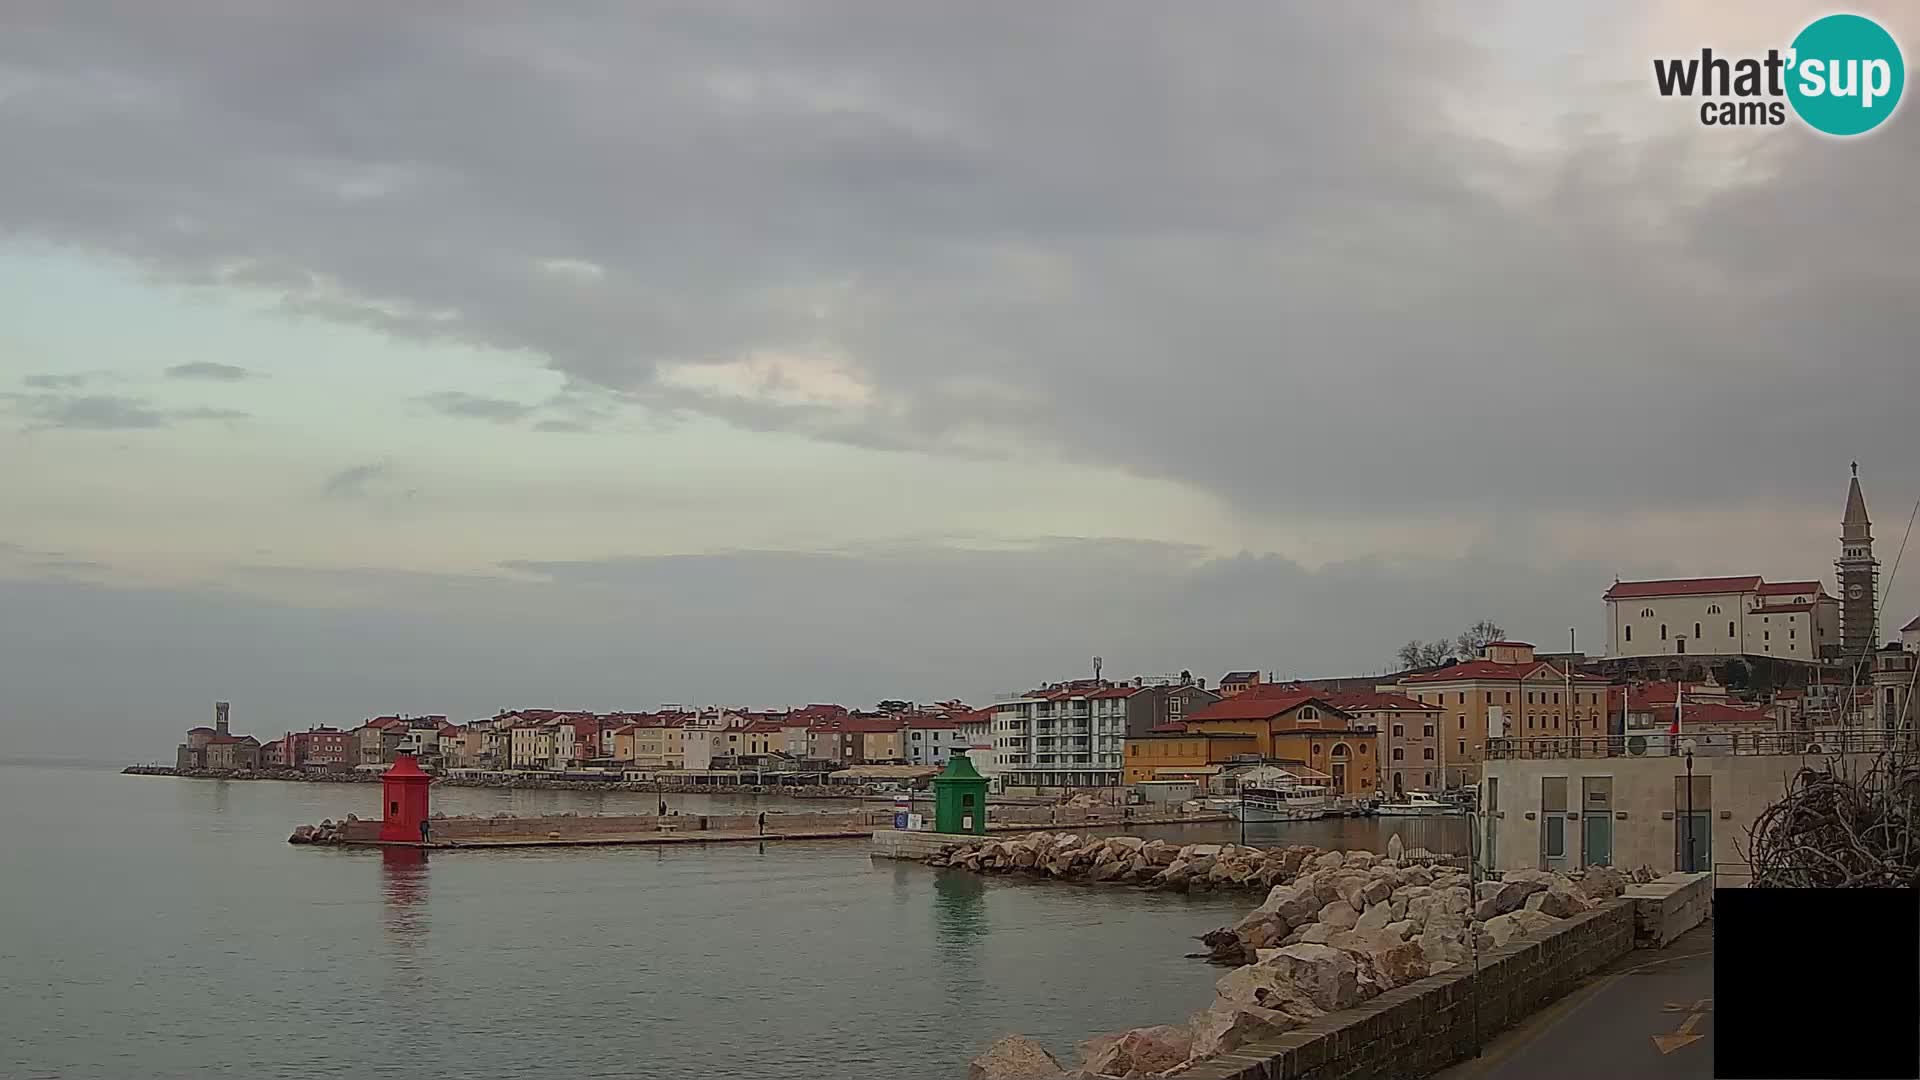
column 1295, row 802
column 1415, row 804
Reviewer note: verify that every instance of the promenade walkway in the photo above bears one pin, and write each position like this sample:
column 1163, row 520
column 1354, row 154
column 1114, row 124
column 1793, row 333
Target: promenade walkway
column 1648, row 1016
column 687, row 835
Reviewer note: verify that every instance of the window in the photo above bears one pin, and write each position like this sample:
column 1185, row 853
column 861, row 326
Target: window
column 1463, row 748
column 1556, row 697
column 1399, row 731
column 1428, row 753
column 1363, row 749
column 1429, row 779
column 1308, row 712
column 1792, row 634
column 1696, row 630
column 1713, row 609
column 1629, row 633
column 1646, row 613
column 1509, row 697
column 1766, row 635
column 1399, row 754
column 1729, row 627
column 1663, row 631
column 1427, row 730
column 1462, row 723
column 1529, row 722
column 1460, row 698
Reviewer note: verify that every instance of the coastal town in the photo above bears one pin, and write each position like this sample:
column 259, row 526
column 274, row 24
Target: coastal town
column 1739, row 675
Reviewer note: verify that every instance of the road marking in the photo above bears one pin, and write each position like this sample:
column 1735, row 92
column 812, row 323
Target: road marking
column 1683, row 1037
column 1703, row 1005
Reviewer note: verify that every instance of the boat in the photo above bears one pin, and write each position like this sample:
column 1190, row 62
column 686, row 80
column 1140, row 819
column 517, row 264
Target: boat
column 1295, row 802
column 1415, row 804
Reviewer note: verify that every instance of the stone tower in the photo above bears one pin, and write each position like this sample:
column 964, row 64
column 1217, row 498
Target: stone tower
column 1859, row 575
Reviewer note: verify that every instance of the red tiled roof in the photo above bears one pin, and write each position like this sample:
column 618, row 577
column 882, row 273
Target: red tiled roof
column 1171, row 727
column 1710, row 712
column 932, row 723
column 1259, row 703
column 1488, row 669
column 1791, row 588
column 1115, row 692
column 871, row 725
column 1628, row 590
column 765, row 727
column 1365, row 701
column 1510, row 644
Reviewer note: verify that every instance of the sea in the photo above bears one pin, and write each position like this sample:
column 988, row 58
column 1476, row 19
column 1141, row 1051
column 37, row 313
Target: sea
column 163, row 927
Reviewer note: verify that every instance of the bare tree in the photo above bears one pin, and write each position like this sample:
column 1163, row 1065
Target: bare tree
column 1419, row 654
column 1476, row 638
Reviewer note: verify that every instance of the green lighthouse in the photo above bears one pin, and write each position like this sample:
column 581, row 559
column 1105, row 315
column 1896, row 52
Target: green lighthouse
column 960, row 798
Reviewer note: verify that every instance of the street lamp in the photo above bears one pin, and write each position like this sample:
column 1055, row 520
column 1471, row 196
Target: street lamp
column 1687, row 748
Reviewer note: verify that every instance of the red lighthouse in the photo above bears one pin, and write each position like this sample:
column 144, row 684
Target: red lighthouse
column 404, row 789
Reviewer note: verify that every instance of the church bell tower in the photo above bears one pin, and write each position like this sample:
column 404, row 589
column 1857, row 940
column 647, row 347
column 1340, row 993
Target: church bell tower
column 1859, row 575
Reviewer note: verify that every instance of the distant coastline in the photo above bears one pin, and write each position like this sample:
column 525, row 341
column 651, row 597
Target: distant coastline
column 518, row 782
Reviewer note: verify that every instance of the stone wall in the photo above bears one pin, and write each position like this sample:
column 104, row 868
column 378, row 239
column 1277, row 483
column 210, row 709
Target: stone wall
column 1668, row 907
column 1420, row 1028
column 571, row 826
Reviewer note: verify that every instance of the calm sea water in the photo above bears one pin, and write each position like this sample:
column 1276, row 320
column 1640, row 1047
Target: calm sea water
column 157, row 927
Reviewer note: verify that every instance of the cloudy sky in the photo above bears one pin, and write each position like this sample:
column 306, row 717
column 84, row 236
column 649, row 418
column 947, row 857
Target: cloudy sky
column 606, row 355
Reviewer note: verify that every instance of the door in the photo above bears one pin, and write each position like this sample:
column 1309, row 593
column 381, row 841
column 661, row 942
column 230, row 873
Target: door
column 1553, row 823
column 1596, row 821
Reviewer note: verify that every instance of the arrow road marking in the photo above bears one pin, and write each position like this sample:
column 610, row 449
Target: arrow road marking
column 1703, row 1005
column 1683, row 1037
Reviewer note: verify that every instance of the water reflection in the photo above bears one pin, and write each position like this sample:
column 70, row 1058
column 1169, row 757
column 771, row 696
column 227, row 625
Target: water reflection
column 959, row 930
column 403, row 885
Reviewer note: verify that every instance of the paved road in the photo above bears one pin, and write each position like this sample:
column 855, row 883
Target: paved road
column 1607, row 1028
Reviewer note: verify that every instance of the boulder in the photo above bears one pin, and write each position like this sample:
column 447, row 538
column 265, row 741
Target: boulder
column 1404, row 930
column 1316, row 933
column 1532, row 922
column 1374, row 919
column 1602, row 883
column 1264, row 934
column 1160, row 853
column 1326, row 975
column 1452, row 899
column 1504, row 928
column 1024, row 858
column 1558, row 902
column 302, row 834
column 1376, row 890
column 1328, row 860
column 1499, row 897
column 1141, row 1052
column 1228, row 1027
column 1340, row 915
column 1202, row 851
column 1106, row 870
column 1400, row 964
column 1417, row 875
column 1358, row 860
column 1014, row 1057
column 1337, row 884
column 1266, row 985
column 1127, row 843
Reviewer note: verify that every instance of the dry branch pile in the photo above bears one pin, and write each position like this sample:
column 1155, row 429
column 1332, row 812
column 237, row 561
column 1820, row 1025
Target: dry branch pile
column 1833, row 830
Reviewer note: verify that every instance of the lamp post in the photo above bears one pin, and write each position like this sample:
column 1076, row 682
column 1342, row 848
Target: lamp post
column 1687, row 749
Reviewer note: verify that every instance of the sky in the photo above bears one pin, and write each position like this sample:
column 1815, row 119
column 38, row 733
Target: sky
column 357, row 360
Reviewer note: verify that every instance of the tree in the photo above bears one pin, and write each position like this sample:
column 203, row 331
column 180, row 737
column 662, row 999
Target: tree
column 1476, row 638
column 1418, row 654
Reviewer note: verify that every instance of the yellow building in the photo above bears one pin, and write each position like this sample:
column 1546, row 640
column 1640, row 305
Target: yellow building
column 661, row 747
column 1506, row 693
column 1297, row 726
column 1172, row 754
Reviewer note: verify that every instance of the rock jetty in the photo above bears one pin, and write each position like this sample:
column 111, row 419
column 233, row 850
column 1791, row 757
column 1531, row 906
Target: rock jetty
column 1130, row 860
column 1336, row 928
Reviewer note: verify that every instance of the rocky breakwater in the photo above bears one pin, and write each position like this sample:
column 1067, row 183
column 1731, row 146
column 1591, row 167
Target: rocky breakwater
column 1129, row 860
column 1345, row 928
column 327, row 832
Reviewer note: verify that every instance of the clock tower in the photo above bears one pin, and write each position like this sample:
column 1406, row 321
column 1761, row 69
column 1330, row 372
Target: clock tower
column 1859, row 575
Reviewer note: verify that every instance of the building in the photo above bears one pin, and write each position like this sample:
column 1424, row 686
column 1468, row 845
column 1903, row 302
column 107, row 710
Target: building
column 1238, row 682
column 1893, row 690
column 1155, row 704
column 1726, row 616
column 1407, row 735
column 1066, row 734
column 320, row 748
column 1174, row 753
column 378, row 740
column 1552, row 811
column 1910, row 635
column 1859, row 576
column 931, row 740
column 1296, row 726
column 1507, row 691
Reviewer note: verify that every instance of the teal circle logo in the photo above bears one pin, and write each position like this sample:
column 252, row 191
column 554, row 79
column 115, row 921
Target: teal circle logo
column 1845, row 75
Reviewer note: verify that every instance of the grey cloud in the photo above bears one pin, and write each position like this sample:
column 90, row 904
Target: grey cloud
column 207, row 370
column 1261, row 253
column 470, row 406
column 351, row 482
column 54, row 382
column 104, row 412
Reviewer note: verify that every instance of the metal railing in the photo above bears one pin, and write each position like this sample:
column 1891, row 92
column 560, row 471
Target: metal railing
column 1706, row 744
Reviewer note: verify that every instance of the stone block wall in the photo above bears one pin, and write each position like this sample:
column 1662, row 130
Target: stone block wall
column 1423, row 1027
column 1668, row 907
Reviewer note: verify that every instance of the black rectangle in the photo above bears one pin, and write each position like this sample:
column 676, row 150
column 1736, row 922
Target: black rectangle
column 1816, row 983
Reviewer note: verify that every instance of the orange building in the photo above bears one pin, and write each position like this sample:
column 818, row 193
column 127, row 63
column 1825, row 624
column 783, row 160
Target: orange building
column 1171, row 752
column 1296, row 726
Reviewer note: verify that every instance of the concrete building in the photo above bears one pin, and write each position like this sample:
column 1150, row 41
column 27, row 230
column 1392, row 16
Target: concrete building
column 1299, row 727
column 1406, row 732
column 931, row 740
column 1238, row 682
column 320, row 748
column 378, row 740
column 1154, row 704
column 1064, row 735
column 1894, row 697
column 1726, row 616
column 1557, row 812
column 1505, row 692
column 1175, row 754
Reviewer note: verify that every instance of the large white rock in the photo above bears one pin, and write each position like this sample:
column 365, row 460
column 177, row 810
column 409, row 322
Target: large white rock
column 1141, row 1052
column 1558, row 901
column 1328, row 860
column 1327, row 975
column 1229, row 1027
column 1340, row 915
column 1374, row 919
column 1014, row 1057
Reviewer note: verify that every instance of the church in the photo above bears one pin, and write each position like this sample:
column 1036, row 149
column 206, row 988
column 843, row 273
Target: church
column 1748, row 616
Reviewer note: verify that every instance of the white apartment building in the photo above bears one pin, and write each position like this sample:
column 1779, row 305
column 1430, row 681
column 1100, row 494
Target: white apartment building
column 1066, row 735
column 1793, row 620
column 931, row 742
